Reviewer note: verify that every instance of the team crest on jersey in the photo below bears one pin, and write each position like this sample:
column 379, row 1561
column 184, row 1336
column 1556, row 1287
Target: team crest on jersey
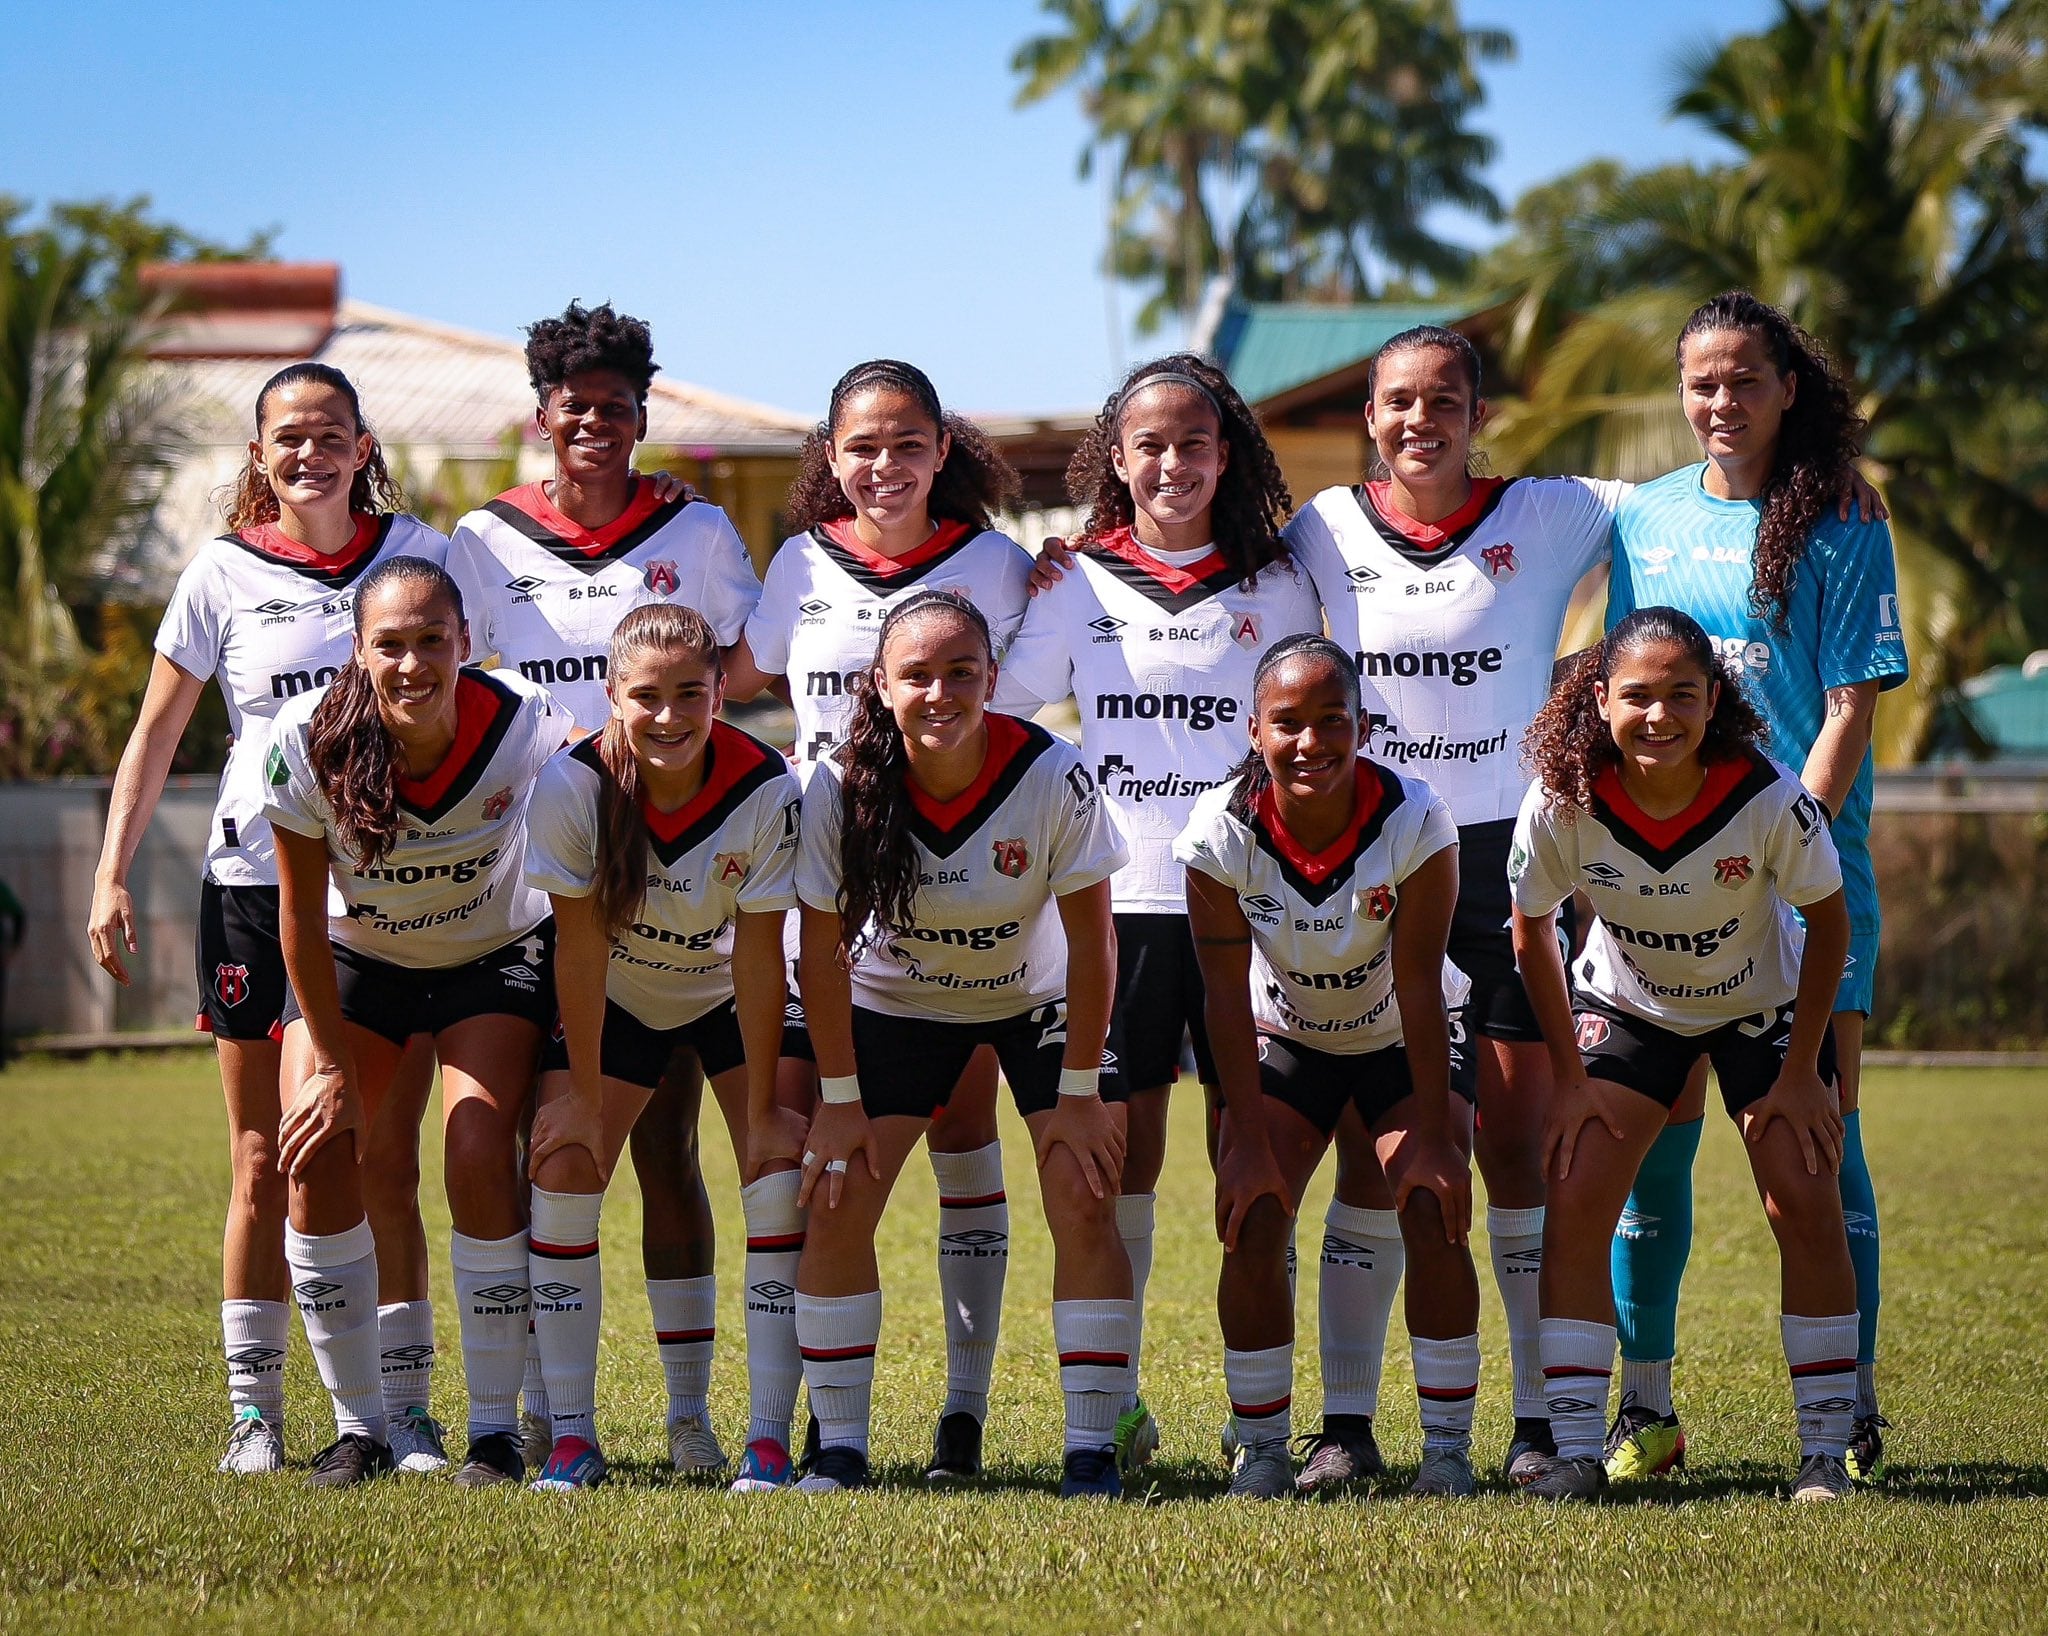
column 1244, row 631
column 1012, row 857
column 1500, row 561
column 1592, row 1031
column 496, row 805
column 1377, row 902
column 231, row 984
column 1731, row 872
column 662, row 578
column 731, row 866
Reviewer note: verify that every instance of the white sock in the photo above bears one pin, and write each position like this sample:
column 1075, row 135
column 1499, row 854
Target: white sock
column 334, row 1281
column 1578, row 1364
column 685, row 1328
column 775, row 1242
column 974, row 1258
column 1261, row 1388
column 1649, row 1383
column 568, row 1305
column 1363, row 1259
column 254, row 1335
column 493, row 1296
column 534, row 1385
column 405, row 1355
column 1516, row 1238
column 1821, row 1353
column 838, row 1335
column 1135, row 1213
column 1094, row 1341
column 1446, row 1386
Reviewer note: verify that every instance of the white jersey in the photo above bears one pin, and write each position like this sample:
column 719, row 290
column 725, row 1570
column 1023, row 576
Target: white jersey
column 826, row 595
column 1694, row 922
column 452, row 888
column 1160, row 662
column 269, row 620
column 1455, row 626
column 731, row 847
column 1322, row 922
column 545, row 594
column 988, row 942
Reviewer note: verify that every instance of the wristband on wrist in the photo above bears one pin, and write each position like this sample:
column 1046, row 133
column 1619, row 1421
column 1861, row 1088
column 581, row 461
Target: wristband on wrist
column 1079, row 1081
column 839, row 1088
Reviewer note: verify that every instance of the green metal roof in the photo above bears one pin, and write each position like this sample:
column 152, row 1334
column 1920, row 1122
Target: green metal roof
column 2010, row 709
column 1267, row 349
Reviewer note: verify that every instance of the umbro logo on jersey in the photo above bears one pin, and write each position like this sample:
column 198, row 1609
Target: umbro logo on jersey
column 1731, row 872
column 662, row 578
column 1106, row 628
column 1361, row 577
column 814, row 610
column 525, row 585
column 276, row 605
column 1605, row 873
column 1012, row 857
column 1500, row 561
column 1657, row 560
column 1263, row 906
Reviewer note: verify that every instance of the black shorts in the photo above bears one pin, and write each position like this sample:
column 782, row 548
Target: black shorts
column 796, row 1033
column 910, row 1065
column 1318, row 1084
column 240, row 962
column 516, row 980
column 1633, row 1051
column 639, row 1055
column 1482, row 946
column 1158, row 1001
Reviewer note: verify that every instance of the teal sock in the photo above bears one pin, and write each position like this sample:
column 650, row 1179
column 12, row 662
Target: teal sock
column 1859, row 1212
column 1651, row 1244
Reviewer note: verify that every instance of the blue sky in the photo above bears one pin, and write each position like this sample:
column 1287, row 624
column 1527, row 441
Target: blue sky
column 781, row 188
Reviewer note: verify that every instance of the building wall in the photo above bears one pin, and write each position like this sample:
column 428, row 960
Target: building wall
column 1318, row 457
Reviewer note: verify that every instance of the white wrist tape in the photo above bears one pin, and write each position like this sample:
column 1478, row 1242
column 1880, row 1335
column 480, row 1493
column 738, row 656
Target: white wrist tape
column 1079, row 1081
column 839, row 1087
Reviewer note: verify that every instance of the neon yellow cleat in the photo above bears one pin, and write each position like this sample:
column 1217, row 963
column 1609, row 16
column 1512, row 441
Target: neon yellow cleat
column 1137, row 1437
column 1642, row 1443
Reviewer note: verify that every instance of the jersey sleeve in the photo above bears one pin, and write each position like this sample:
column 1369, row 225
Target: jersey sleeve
column 561, row 831
column 778, row 829
column 774, row 617
column 1210, row 842
column 1309, row 543
column 1543, row 861
column 1435, row 832
column 1621, row 586
column 190, row 635
column 1585, row 526
column 1860, row 638
column 731, row 588
column 1039, row 667
column 817, row 848
column 292, row 797
column 1802, row 857
column 1086, row 847
column 467, row 565
column 1012, row 599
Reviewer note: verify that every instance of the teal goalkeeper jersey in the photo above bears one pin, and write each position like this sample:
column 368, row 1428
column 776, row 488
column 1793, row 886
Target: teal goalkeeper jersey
column 1677, row 546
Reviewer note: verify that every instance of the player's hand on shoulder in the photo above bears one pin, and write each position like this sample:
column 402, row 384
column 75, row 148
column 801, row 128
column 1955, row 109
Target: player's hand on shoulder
column 1050, row 566
column 668, row 489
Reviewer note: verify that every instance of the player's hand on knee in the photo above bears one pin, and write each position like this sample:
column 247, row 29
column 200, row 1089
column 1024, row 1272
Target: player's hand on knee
column 839, row 1135
column 778, row 1135
column 1433, row 1164
column 1576, row 1103
column 572, row 1120
column 1811, row 1107
column 325, row 1106
column 1246, row 1172
column 1085, row 1126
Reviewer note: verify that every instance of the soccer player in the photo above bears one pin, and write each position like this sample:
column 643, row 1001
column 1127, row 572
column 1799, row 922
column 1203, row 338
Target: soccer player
column 548, row 570
column 1177, row 584
column 667, row 844
column 954, row 876
column 893, row 498
column 1653, row 798
column 403, row 785
column 1320, row 887
column 1803, row 604
column 265, row 611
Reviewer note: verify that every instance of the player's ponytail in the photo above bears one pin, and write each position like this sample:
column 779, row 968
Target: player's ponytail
column 653, row 629
column 1569, row 743
column 878, row 864
column 350, row 750
column 1252, row 776
column 252, row 502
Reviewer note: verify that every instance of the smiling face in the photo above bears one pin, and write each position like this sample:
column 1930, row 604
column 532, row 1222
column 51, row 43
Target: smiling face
column 1735, row 399
column 593, row 419
column 1657, row 702
column 665, row 702
column 1170, row 453
column 1422, row 417
column 1305, row 728
column 309, row 447
column 935, row 678
column 885, row 453
column 412, row 643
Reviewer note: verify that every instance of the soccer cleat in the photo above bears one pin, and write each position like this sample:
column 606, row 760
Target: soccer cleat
column 1341, row 1454
column 350, row 1459
column 956, row 1449
column 813, row 1444
column 1532, row 1436
column 536, row 1439
column 1446, row 1473
column 693, row 1447
column 1092, row 1474
column 1821, row 1477
column 416, row 1446
column 834, row 1469
column 1865, row 1456
column 1137, row 1438
column 1263, row 1472
column 493, row 1459
column 764, row 1467
column 1228, row 1440
column 255, row 1446
column 1643, row 1443
column 1554, row 1477
column 574, row 1464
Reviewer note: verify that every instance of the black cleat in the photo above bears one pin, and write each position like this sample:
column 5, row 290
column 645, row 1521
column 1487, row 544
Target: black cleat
column 1091, row 1474
column 956, row 1450
column 1532, row 1437
column 493, row 1459
column 834, row 1469
column 350, row 1459
column 1341, row 1454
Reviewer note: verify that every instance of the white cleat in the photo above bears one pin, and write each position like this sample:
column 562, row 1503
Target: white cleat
column 416, row 1443
column 255, row 1446
column 693, row 1446
column 1264, row 1471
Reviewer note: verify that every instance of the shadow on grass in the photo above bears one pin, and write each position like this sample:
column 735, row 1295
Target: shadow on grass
column 1954, row 1484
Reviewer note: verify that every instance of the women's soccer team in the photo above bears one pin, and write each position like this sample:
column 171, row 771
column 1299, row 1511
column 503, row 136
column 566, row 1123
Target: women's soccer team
column 482, row 812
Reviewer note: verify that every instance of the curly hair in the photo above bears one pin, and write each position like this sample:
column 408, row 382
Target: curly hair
column 352, row 753
column 660, row 628
column 1818, row 442
column 972, row 484
column 251, row 500
column 1253, row 777
column 586, row 338
column 878, row 863
column 1251, row 500
column 1569, row 744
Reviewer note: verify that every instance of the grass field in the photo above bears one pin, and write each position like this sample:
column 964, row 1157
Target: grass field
column 111, row 1517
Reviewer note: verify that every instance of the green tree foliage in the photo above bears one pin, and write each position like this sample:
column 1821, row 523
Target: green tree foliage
column 1293, row 144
